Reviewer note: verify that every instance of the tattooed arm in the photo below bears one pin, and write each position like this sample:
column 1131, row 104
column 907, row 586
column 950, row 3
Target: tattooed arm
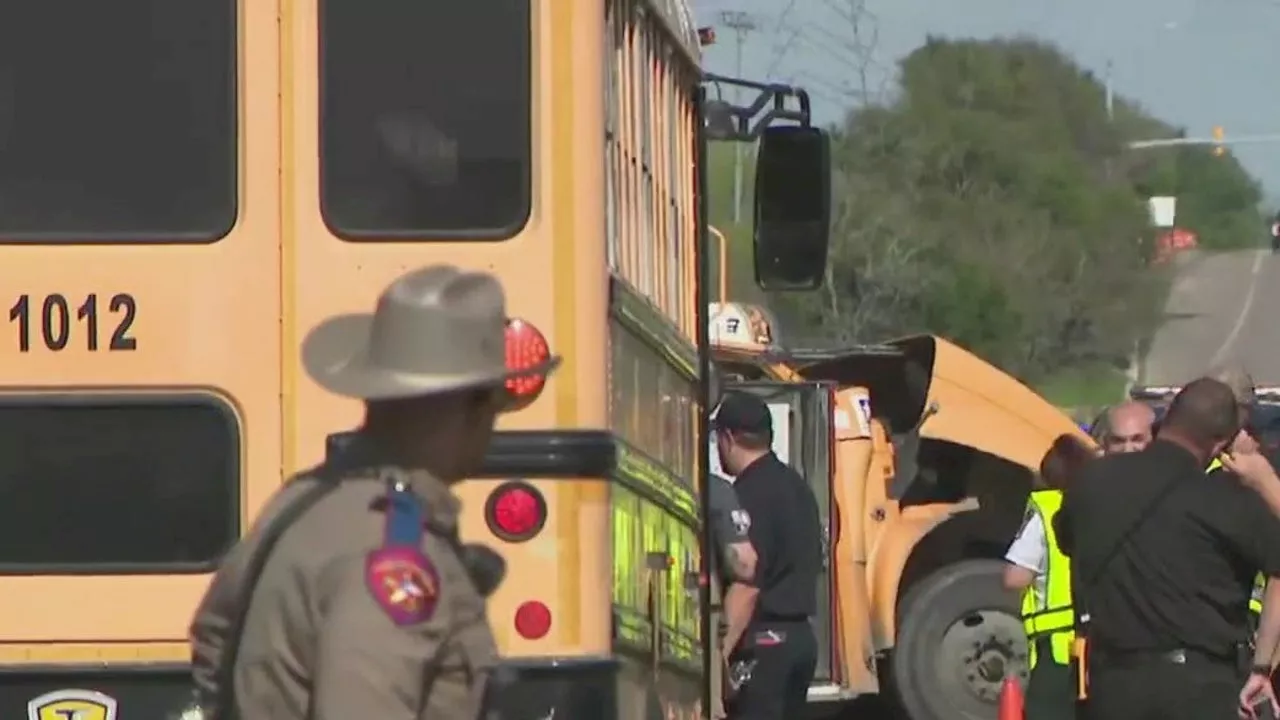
column 732, row 528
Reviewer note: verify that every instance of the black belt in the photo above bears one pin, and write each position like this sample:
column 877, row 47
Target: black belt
column 783, row 618
column 1176, row 656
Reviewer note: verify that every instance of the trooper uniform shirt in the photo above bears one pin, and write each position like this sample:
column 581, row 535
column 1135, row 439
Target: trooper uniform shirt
column 1167, row 561
column 354, row 615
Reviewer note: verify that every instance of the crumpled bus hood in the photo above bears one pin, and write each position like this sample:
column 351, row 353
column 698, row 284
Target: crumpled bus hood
column 983, row 407
column 967, row 400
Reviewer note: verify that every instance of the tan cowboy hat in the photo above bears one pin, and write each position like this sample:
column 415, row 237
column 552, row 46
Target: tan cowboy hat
column 435, row 329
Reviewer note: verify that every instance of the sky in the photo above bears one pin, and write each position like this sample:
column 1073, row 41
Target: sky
column 1193, row 63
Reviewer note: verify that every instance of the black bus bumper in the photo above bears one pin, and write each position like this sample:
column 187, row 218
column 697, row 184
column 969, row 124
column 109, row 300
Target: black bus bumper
column 567, row 688
column 533, row 690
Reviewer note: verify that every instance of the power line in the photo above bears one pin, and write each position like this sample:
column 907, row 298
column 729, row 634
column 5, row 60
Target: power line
column 848, row 39
column 781, row 49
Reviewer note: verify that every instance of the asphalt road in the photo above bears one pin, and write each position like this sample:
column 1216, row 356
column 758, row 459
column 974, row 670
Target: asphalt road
column 1222, row 309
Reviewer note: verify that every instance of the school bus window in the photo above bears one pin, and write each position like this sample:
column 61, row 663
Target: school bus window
column 650, row 402
column 611, row 130
column 117, row 120
column 425, row 111
column 615, row 38
column 109, row 484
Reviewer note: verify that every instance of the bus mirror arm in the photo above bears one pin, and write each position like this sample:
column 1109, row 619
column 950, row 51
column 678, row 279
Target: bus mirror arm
column 730, row 122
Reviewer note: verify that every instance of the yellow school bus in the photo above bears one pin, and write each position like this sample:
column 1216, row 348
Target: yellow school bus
column 187, row 188
column 921, row 457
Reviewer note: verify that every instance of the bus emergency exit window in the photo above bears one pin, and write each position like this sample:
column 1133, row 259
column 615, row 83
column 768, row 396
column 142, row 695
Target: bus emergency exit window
column 107, row 484
column 425, row 119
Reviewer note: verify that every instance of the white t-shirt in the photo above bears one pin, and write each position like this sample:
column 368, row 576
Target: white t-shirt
column 1030, row 550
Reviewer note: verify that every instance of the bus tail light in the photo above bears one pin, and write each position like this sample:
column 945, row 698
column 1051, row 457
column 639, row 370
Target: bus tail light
column 516, row 511
column 526, row 348
column 533, row 620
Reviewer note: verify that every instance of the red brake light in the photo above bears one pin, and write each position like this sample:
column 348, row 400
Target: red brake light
column 516, row 511
column 526, row 348
column 533, row 620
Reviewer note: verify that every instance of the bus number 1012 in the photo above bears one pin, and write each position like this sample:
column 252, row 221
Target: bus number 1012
column 58, row 324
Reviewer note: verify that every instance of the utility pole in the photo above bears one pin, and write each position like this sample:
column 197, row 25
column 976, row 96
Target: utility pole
column 742, row 24
column 1111, row 97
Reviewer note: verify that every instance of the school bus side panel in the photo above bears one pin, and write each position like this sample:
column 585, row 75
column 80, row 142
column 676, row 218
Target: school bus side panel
column 206, row 320
column 552, row 270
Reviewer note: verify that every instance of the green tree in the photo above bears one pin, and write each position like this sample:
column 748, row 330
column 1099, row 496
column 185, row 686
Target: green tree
column 993, row 201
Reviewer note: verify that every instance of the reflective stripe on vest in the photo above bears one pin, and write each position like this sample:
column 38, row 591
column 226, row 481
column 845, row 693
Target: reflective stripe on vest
column 1050, row 616
column 1259, row 582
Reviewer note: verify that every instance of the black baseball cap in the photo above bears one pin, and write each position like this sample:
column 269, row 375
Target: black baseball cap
column 742, row 412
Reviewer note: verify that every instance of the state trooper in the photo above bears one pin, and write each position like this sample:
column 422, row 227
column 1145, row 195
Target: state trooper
column 364, row 602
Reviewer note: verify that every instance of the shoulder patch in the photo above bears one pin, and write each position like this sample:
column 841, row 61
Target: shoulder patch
column 741, row 521
column 404, row 583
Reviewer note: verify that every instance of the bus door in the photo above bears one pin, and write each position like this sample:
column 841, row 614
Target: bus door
column 803, row 437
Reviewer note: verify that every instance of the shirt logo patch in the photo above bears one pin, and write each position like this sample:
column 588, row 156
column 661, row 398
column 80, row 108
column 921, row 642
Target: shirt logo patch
column 72, row 704
column 404, row 583
column 741, row 521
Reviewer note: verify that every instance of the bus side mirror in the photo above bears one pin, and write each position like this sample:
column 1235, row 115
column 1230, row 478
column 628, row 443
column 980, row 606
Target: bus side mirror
column 792, row 207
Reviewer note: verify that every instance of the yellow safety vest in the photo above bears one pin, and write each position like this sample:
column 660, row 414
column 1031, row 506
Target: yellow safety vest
column 1052, row 614
column 1260, row 582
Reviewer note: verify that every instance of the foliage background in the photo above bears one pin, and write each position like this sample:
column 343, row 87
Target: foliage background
column 991, row 200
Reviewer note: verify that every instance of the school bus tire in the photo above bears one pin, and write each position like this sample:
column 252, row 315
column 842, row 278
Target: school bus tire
column 959, row 632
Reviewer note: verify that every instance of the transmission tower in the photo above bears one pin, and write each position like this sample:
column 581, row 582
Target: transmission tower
column 742, row 24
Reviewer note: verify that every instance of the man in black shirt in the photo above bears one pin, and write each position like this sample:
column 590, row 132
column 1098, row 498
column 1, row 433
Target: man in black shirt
column 1165, row 562
column 778, row 646
column 735, row 568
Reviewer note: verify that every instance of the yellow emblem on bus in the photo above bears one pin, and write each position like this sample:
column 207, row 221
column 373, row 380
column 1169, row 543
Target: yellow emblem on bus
column 72, row 705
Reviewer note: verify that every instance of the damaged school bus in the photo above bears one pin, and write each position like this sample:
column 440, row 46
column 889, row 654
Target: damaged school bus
column 922, row 456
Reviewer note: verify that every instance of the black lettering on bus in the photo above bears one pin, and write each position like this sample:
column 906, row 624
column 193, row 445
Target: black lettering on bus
column 57, row 329
column 19, row 315
column 55, row 322
column 87, row 313
column 124, row 305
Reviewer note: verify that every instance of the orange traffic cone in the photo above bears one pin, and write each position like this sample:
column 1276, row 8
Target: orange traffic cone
column 1011, row 700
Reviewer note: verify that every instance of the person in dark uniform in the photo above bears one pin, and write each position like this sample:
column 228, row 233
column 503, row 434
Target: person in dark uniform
column 733, row 598
column 735, row 558
column 1165, row 562
column 777, row 655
